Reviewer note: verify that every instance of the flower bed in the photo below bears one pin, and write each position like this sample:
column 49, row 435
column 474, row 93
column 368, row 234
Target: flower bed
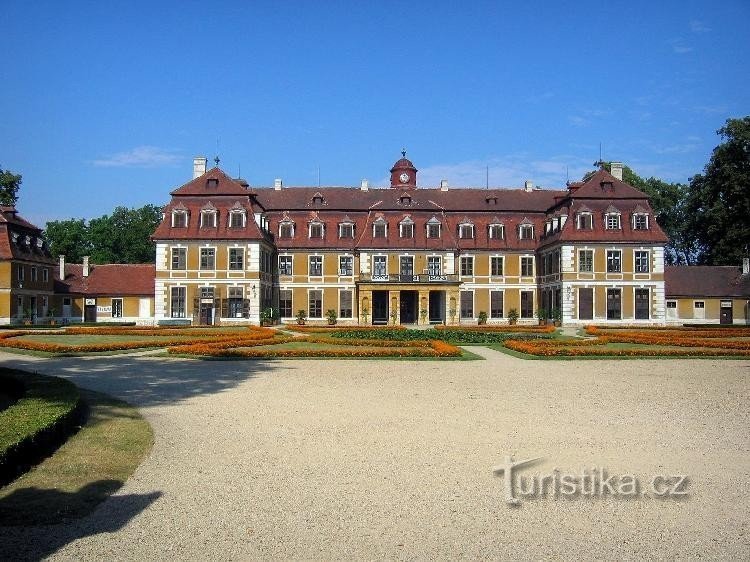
column 500, row 328
column 326, row 329
column 457, row 336
column 570, row 348
column 682, row 338
column 679, row 332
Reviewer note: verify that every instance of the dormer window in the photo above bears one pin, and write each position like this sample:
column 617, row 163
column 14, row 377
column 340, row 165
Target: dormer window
column 526, row 232
column 406, row 228
column 491, row 200
column 317, row 199
column 433, row 228
column 316, row 230
column 496, row 231
column 380, row 228
column 640, row 221
column 286, row 230
column 584, row 221
column 212, row 183
column 236, row 218
column 208, row 218
column 612, row 221
column 466, row 231
column 405, row 199
column 346, row 230
column 179, row 218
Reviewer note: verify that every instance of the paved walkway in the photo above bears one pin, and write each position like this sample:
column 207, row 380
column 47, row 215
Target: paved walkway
column 393, row 459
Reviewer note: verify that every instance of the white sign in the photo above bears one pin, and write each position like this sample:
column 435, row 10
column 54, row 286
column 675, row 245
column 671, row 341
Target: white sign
column 90, row 302
column 107, row 309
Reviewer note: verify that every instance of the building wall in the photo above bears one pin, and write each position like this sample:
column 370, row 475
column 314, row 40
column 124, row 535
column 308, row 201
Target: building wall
column 687, row 313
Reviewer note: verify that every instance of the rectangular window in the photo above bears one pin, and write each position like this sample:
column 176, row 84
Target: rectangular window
column 178, row 302
column 614, row 304
column 496, row 304
column 527, row 304
column 585, row 221
column 34, row 273
column 207, row 292
column 116, row 308
column 285, row 265
column 641, row 262
column 316, row 230
column 236, row 219
column 379, row 230
column 208, row 219
column 613, row 222
column 345, row 304
column 497, row 231
column 434, row 266
column 433, row 231
column 527, row 266
column 406, row 265
column 179, row 219
column 346, row 265
column 526, row 232
column 346, row 230
column 208, row 258
column 467, row 266
column 586, row 261
column 315, row 304
column 45, row 275
column 179, row 258
column 496, row 266
column 640, row 222
column 21, row 273
column 467, row 304
column 285, row 303
column 236, row 259
column 614, row 261
column 286, row 231
column 642, row 304
column 379, row 266
column 407, row 230
column 235, row 307
column 466, row 231
column 316, row 266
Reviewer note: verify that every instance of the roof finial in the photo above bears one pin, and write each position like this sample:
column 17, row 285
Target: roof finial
column 403, row 152
column 216, row 160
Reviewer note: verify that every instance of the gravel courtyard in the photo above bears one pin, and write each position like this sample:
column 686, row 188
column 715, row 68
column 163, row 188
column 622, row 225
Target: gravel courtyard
column 342, row 459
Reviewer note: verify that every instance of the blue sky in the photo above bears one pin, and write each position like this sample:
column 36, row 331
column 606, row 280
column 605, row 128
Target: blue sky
column 106, row 104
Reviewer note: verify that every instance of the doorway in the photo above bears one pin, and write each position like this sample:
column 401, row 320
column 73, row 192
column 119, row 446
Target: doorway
column 725, row 313
column 380, row 307
column 206, row 314
column 437, row 307
column 585, row 304
column 409, row 307
column 89, row 313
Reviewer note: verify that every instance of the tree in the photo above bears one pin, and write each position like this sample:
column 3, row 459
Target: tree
column 718, row 201
column 9, row 185
column 68, row 237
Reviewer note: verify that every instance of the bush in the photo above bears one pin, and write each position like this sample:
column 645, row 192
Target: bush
column 452, row 335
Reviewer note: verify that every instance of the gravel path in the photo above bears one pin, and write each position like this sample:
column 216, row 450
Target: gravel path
column 393, row 459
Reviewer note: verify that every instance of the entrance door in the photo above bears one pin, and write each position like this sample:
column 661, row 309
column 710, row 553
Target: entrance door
column 207, row 314
column 642, row 304
column 408, row 307
column 89, row 313
column 725, row 313
column 380, row 307
column 586, row 304
column 437, row 306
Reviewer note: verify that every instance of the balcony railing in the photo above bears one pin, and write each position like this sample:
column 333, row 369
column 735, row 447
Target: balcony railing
column 411, row 278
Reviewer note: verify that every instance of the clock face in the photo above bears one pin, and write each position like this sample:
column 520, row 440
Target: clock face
column 404, row 177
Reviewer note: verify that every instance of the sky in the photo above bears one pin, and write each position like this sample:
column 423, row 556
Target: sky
column 105, row 104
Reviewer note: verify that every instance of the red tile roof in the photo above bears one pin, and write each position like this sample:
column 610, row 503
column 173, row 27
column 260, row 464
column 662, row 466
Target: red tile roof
column 706, row 281
column 21, row 240
column 116, row 279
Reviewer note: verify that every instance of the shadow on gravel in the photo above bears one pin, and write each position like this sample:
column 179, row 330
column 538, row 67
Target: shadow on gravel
column 143, row 381
column 35, row 543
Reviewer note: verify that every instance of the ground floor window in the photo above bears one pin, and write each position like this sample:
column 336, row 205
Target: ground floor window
column 236, row 302
column 285, row 303
column 496, row 304
column 642, row 304
column 527, row 304
column 467, row 304
column 614, row 304
column 116, row 308
column 178, row 302
column 315, row 304
column 345, row 304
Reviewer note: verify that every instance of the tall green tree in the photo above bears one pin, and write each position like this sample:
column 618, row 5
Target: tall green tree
column 68, row 237
column 9, row 185
column 718, row 200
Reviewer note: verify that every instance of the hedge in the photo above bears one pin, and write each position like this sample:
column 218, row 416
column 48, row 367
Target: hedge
column 453, row 335
column 48, row 412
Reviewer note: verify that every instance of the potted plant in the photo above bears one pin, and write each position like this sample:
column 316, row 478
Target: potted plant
column 482, row 318
column 51, row 313
column 557, row 316
column 512, row 316
column 331, row 315
column 28, row 316
column 267, row 316
column 301, row 316
column 541, row 314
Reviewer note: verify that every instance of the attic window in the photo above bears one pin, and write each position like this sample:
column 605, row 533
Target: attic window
column 179, row 218
column 640, row 221
column 236, row 218
column 380, row 228
column 212, row 183
column 318, row 199
column 496, row 231
column 607, row 186
column 584, row 221
column 286, row 230
column 491, row 200
column 405, row 199
column 316, row 230
column 612, row 221
column 346, row 230
column 406, row 228
column 466, row 231
column 526, row 232
column 208, row 219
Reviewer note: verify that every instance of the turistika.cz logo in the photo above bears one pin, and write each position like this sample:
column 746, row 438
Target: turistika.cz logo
column 588, row 483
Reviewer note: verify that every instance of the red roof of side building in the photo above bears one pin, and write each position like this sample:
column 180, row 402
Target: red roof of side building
column 706, row 281
column 21, row 240
column 118, row 279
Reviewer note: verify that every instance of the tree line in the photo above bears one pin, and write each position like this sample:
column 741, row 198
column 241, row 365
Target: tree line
column 707, row 219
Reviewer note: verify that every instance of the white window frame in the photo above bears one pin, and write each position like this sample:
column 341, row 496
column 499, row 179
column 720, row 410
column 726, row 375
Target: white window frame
column 493, row 228
column 635, row 261
column 183, row 214
column 502, row 292
column 636, row 216
column 619, row 261
column 322, row 303
column 463, row 228
column 433, row 225
column 379, row 223
column 617, row 221
column 172, row 256
column 468, row 260
column 237, row 213
column 702, row 308
column 205, row 213
column 342, row 270
column 351, row 294
column 379, row 257
column 584, row 215
column 229, row 258
column 502, row 266
column 402, row 230
column 439, row 268
column 341, row 232
column 200, row 258
column 112, row 308
column 291, row 227
column 309, row 265
column 520, row 265
column 581, row 262
column 291, row 264
column 322, row 230
column 526, row 232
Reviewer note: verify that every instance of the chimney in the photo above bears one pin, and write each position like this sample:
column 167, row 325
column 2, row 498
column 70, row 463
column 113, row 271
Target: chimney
column 615, row 168
column 528, row 185
column 443, row 185
column 365, row 186
column 62, row 267
column 745, row 266
column 199, row 166
column 85, row 266
column 277, row 183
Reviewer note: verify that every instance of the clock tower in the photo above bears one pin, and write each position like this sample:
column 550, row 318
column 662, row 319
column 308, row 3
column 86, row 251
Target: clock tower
column 403, row 174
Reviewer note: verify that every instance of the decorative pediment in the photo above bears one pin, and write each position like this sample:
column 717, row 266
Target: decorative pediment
column 584, row 209
column 496, row 221
column 434, row 220
column 526, row 222
column 346, row 220
column 208, row 207
column 406, row 220
column 612, row 210
column 640, row 210
column 466, row 220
